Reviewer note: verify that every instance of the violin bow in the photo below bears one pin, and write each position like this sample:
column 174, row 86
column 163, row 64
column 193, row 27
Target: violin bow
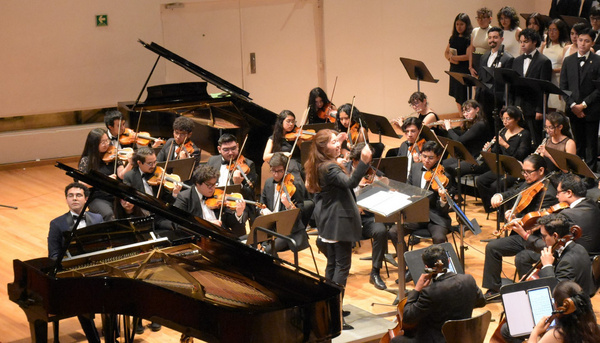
column 225, row 190
column 436, row 168
column 304, row 118
column 333, row 90
column 350, row 121
column 117, row 148
column 414, row 146
column 237, row 163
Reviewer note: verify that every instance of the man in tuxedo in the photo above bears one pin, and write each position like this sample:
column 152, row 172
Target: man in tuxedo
column 579, row 71
column 565, row 7
column 495, row 58
column 76, row 195
column 229, row 151
column 180, row 146
column 144, row 160
column 193, row 201
column 438, row 296
column 411, row 127
column 531, row 64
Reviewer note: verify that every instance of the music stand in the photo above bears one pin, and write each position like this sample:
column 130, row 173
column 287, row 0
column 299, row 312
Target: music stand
column 570, row 163
column 508, row 164
column 400, row 203
column 570, row 20
column 393, row 168
column 379, row 125
column 416, row 267
column 417, row 71
column 184, row 167
column 429, row 135
column 304, row 151
column 466, row 80
column 319, row 126
column 231, row 188
column 546, row 87
column 281, row 222
column 458, row 151
column 504, row 76
column 545, row 18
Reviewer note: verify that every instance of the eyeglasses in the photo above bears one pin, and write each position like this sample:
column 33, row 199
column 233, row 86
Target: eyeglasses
column 505, row 119
column 561, row 191
column 528, row 172
column 210, row 185
column 287, row 121
column 229, row 149
column 150, row 164
column 105, row 141
column 549, row 128
column 278, row 171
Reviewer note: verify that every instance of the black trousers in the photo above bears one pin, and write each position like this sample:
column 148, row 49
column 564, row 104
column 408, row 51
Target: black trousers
column 586, row 139
column 339, row 260
column 498, row 248
column 487, row 185
column 379, row 233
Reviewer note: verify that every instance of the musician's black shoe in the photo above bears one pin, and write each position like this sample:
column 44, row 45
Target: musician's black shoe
column 346, row 326
column 345, row 313
column 492, row 296
column 155, row 327
column 376, row 281
column 139, row 329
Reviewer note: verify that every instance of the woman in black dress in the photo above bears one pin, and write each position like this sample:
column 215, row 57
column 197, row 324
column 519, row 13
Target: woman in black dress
column 456, row 54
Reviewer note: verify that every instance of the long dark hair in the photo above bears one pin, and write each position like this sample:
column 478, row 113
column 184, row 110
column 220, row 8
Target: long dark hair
column 510, row 13
column 480, row 117
column 91, row 149
column 558, row 118
column 539, row 21
column 315, row 93
column 468, row 29
column 579, row 326
column 278, row 129
column 356, row 118
column 317, row 159
column 563, row 33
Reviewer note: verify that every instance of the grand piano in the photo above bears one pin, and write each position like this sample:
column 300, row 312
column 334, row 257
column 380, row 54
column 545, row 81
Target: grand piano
column 209, row 286
column 229, row 112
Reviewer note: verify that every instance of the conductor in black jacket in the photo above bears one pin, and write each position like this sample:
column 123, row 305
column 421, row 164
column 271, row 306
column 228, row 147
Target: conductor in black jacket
column 438, row 296
column 579, row 71
column 534, row 65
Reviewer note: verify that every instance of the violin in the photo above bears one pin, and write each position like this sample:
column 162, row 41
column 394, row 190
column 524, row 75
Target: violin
column 123, row 155
column 305, row 135
column 288, row 184
column 328, row 112
column 230, row 200
column 188, row 147
column 415, row 150
column 355, row 133
column 441, row 176
column 141, row 138
column 244, row 169
column 169, row 181
column 529, row 220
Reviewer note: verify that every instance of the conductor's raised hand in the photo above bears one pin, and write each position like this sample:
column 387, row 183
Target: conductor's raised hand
column 366, row 155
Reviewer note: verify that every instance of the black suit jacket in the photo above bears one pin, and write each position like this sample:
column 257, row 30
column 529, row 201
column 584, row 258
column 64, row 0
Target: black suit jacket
column 568, row 7
column 247, row 191
column 582, row 89
column 531, row 101
column 438, row 214
column 450, row 296
column 574, row 264
column 164, row 152
column 336, row 213
column 585, row 9
column 189, row 201
column 62, row 224
column 133, row 178
column 586, row 214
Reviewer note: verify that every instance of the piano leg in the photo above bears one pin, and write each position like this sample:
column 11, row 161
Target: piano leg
column 109, row 327
column 39, row 331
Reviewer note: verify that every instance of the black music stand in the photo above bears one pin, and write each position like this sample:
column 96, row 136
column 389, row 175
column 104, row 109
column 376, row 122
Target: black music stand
column 571, row 20
column 400, row 203
column 467, row 80
column 504, row 76
column 392, row 167
column 414, row 261
column 571, row 163
column 546, row 87
column 458, row 151
column 231, row 188
column 379, row 125
column 545, row 18
column 417, row 71
column 429, row 135
column 272, row 225
column 183, row 167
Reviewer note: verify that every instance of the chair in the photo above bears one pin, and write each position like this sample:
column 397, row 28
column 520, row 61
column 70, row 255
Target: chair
column 596, row 271
column 420, row 234
column 471, row 330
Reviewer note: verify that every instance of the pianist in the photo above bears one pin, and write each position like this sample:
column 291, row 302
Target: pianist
column 76, row 195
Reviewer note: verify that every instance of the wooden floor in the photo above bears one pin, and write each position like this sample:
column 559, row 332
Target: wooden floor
column 37, row 191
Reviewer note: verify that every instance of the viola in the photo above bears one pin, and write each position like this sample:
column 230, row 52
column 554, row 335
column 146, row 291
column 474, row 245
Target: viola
column 123, row 154
column 188, row 147
column 288, row 184
column 169, row 181
column 141, row 138
column 241, row 162
column 529, row 221
column 230, row 200
column 528, row 195
column 328, row 112
column 305, row 135
column 442, row 178
column 415, row 149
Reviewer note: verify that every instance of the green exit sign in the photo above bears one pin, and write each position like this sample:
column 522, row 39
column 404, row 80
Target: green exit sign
column 102, row 20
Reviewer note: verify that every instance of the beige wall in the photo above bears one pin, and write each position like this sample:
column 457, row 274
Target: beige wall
column 55, row 59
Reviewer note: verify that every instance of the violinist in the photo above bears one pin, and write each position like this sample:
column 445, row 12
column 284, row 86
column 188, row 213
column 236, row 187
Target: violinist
column 183, row 146
column 229, row 156
column 115, row 125
column 194, row 201
column 439, row 220
column 145, row 161
column 521, row 243
column 562, row 259
column 286, row 123
column 578, row 326
column 277, row 200
column 438, row 297
column 320, row 106
column 356, row 134
column 413, row 144
column 371, row 229
column 96, row 146
column 515, row 141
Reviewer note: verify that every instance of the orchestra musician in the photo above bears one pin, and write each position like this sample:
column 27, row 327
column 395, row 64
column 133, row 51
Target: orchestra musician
column 336, row 213
column 520, row 243
column 559, row 138
column 229, row 152
column 145, row 161
column 92, row 158
column 571, row 263
column 534, row 65
column 410, row 147
column 281, row 200
column 515, row 141
column 115, row 125
column 318, row 101
column 357, row 132
column 180, row 146
column 285, row 124
column 439, row 220
column 418, row 102
column 576, row 327
column 583, row 105
column 76, row 195
column 371, row 229
column 194, row 201
column 436, row 298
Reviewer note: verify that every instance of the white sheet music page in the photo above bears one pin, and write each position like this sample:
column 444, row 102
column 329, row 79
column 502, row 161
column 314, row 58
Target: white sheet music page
column 384, row 202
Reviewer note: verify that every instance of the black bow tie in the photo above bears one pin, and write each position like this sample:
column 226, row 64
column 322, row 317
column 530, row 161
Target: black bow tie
column 75, row 217
column 527, row 56
column 581, row 59
column 113, row 138
column 224, row 162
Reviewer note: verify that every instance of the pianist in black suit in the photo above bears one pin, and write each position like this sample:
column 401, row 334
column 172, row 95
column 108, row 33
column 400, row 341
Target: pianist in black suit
column 180, row 146
column 229, row 151
column 192, row 200
column 76, row 195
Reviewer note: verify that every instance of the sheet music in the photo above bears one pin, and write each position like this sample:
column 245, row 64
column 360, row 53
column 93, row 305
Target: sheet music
column 541, row 303
column 384, row 203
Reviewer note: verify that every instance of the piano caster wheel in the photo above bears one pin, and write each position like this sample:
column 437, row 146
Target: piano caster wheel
column 186, row 339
